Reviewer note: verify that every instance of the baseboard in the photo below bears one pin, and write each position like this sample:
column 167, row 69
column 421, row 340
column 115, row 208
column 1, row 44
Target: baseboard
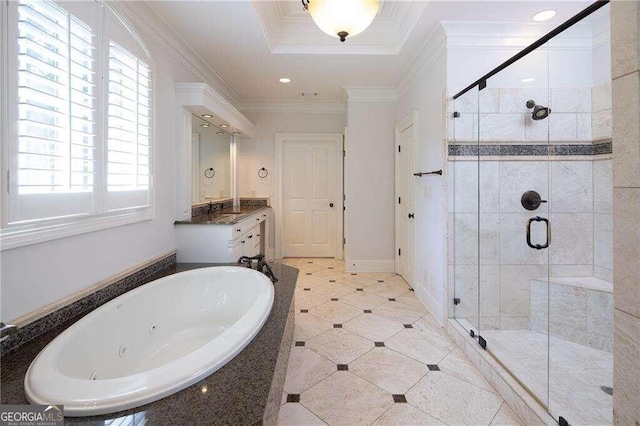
column 370, row 265
column 430, row 302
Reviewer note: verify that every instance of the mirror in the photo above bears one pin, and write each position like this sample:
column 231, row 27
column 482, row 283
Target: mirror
column 211, row 157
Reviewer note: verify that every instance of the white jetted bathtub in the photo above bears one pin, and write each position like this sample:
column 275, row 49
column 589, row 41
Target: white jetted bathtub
column 152, row 341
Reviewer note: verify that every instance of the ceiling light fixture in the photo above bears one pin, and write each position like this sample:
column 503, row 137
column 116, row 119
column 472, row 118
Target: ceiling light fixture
column 224, row 126
column 545, row 15
column 205, row 125
column 207, row 115
column 342, row 18
column 284, row 80
column 528, row 80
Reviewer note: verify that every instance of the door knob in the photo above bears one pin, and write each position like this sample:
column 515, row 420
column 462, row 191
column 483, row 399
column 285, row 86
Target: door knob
column 330, row 204
column 411, row 216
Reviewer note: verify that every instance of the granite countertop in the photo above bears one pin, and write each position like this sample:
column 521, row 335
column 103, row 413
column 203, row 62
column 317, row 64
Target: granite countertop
column 223, row 217
column 235, row 395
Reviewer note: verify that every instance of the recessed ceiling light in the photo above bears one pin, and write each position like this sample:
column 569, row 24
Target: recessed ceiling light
column 237, row 133
column 528, row 80
column 284, row 80
column 544, row 15
column 224, row 126
column 205, row 125
column 207, row 115
column 219, row 132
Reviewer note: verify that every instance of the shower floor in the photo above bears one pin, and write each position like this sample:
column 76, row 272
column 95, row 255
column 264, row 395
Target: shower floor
column 575, row 375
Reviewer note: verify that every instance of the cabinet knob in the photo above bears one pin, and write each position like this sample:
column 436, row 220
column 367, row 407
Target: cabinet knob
column 257, row 218
column 238, row 229
column 242, row 241
column 264, row 215
column 250, row 236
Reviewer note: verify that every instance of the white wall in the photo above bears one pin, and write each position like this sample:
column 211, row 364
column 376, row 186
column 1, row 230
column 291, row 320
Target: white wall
column 37, row 275
column 370, row 186
column 259, row 151
column 425, row 93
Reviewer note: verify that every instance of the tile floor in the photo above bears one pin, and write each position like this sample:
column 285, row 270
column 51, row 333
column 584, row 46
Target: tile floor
column 574, row 378
column 366, row 352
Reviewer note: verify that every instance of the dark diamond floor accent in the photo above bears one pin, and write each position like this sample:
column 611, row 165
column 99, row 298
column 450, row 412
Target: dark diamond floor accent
column 337, row 325
column 299, row 343
column 308, row 273
column 343, row 367
column 330, row 267
column 359, row 289
column 400, row 399
column 367, row 311
column 391, row 299
column 353, row 274
column 408, row 326
column 380, row 281
column 306, row 289
column 293, row 397
column 334, row 299
column 304, row 311
column 309, row 262
column 379, row 344
column 433, row 367
column 332, row 281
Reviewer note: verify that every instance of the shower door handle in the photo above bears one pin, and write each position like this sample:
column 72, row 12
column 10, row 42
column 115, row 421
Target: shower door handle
column 538, row 246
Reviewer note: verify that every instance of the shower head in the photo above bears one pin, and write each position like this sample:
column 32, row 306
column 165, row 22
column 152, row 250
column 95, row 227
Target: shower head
column 539, row 112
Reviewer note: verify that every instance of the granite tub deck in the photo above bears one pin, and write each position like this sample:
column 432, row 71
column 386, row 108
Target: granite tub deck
column 246, row 391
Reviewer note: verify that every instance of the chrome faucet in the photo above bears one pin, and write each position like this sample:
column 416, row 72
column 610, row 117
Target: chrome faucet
column 6, row 330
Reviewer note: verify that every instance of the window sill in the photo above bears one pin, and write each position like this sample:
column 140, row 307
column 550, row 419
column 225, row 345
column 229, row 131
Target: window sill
column 19, row 236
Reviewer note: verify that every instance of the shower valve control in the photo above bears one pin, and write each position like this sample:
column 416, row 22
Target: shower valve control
column 531, row 200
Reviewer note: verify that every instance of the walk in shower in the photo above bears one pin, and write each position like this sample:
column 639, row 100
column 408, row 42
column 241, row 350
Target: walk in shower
column 530, row 218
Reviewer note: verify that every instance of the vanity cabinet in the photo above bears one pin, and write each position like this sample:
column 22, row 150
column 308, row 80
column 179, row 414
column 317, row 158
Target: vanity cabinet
column 223, row 243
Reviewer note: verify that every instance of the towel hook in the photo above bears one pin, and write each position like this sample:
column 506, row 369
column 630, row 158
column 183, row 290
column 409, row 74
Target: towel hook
column 263, row 173
column 209, row 173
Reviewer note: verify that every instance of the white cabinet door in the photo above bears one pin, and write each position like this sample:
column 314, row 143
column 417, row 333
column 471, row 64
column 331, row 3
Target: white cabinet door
column 407, row 209
column 309, row 199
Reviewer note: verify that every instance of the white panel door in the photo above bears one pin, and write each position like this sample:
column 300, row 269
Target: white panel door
column 407, row 212
column 309, row 199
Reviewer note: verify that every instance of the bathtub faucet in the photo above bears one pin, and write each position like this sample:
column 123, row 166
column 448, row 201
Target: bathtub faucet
column 261, row 267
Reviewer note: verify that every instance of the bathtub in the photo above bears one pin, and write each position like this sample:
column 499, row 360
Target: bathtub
column 152, row 341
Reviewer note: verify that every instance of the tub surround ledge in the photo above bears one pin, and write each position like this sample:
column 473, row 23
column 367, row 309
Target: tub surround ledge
column 242, row 392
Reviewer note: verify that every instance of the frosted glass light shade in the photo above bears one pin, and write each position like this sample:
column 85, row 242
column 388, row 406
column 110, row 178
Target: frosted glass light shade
column 336, row 17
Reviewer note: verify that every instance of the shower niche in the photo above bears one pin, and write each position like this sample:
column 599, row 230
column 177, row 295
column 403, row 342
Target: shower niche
column 530, row 219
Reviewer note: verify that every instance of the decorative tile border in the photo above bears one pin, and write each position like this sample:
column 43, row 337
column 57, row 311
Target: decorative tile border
column 466, row 150
column 83, row 306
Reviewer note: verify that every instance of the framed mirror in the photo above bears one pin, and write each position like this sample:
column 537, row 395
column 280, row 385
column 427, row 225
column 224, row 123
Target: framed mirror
column 211, row 162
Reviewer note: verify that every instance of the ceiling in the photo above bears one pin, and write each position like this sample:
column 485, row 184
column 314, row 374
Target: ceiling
column 250, row 44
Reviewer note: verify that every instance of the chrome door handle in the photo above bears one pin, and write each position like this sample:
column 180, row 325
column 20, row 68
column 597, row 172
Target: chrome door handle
column 538, row 246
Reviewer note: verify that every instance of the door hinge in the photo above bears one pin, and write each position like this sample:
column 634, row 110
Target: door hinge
column 344, row 154
column 482, row 342
column 344, row 241
column 399, row 252
column 344, row 197
column 399, row 200
column 456, row 300
column 399, row 149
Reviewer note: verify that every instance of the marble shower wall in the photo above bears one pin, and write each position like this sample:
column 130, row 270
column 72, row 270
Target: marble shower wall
column 579, row 190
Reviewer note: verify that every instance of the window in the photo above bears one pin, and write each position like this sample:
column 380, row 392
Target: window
column 79, row 121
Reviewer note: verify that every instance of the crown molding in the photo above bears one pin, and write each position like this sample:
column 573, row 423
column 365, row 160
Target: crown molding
column 433, row 48
column 199, row 97
column 153, row 25
column 370, row 94
column 272, row 105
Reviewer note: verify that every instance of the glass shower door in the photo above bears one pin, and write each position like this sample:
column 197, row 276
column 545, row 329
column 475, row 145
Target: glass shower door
column 514, row 225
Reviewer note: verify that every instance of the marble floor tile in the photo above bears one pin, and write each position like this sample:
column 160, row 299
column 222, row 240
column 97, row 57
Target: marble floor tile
column 334, row 290
column 424, row 347
column 406, row 415
column 339, row 345
column 428, row 324
column 310, row 268
column 397, row 280
column 308, row 326
column 373, row 327
column 294, row 414
column 308, row 299
column 378, row 275
column 411, row 300
column 363, row 300
column 356, row 281
column 506, row 417
column 346, row 399
column 399, row 312
column 305, row 369
column 331, row 274
column 386, row 289
column 456, row 364
column 389, row 370
column 336, row 312
column 310, row 281
column 454, row 401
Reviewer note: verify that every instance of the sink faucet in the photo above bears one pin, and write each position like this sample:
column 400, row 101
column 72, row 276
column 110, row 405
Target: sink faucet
column 6, row 330
column 212, row 209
